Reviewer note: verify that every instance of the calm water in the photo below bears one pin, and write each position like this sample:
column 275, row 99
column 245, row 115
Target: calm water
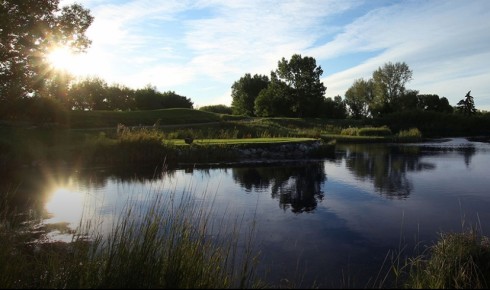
column 330, row 221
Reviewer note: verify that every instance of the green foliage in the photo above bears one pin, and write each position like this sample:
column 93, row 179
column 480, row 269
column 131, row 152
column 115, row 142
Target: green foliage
column 245, row 91
column 456, row 261
column 434, row 103
column 275, row 100
column 389, row 86
column 178, row 116
column 302, row 75
column 374, row 131
column 334, row 109
column 367, row 131
column 149, row 98
column 218, row 109
column 412, row 133
column 29, row 30
column 351, row 131
column 358, row 97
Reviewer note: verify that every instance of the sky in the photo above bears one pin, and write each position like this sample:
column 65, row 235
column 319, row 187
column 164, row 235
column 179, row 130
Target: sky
column 198, row 49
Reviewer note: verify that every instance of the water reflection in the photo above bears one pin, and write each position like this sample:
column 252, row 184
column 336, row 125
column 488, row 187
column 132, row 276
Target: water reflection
column 385, row 166
column 297, row 187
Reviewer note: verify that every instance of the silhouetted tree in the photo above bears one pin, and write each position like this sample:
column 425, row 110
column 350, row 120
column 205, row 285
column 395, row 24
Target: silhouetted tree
column 467, row 105
column 219, row 109
column 29, row 29
column 430, row 102
column 170, row 100
column 335, row 108
column 245, row 91
column 89, row 94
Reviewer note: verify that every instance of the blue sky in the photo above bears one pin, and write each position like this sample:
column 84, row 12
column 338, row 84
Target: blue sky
column 200, row 48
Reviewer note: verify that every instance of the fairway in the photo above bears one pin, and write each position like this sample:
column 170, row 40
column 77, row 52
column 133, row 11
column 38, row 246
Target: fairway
column 242, row 141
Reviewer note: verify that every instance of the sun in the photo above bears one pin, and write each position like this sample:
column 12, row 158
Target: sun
column 62, row 58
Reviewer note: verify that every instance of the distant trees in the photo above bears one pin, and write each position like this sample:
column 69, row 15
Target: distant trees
column 94, row 93
column 466, row 105
column 294, row 90
column 29, row 30
column 245, row 91
column 434, row 103
column 149, row 98
column 218, row 109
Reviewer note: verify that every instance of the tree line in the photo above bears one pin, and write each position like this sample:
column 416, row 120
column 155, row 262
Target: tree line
column 294, row 89
column 30, row 28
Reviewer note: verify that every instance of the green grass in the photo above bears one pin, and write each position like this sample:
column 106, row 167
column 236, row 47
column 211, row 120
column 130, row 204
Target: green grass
column 242, row 141
column 454, row 261
column 104, row 119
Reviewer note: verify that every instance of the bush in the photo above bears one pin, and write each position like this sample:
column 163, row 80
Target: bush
column 366, row 131
column 352, row 131
column 411, row 133
column 218, row 109
column 374, row 131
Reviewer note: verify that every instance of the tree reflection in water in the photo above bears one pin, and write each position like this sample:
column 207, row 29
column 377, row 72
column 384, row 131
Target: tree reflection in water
column 297, row 187
column 385, row 166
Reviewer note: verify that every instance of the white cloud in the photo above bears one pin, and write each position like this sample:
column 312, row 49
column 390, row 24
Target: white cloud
column 445, row 43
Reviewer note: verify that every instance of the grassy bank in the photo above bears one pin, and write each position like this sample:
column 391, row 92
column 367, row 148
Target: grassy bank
column 163, row 243
column 157, row 136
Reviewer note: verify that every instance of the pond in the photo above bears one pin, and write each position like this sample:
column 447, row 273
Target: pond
column 333, row 222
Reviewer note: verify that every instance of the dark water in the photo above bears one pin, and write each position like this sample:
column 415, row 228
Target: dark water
column 331, row 222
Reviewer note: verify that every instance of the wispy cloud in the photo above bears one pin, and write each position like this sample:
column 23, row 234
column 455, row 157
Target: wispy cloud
column 188, row 45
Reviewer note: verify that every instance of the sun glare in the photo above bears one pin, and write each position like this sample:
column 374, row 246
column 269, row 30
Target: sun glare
column 64, row 59
column 61, row 58
column 65, row 205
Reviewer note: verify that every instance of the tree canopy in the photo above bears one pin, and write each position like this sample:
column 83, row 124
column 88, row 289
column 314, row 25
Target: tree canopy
column 245, row 91
column 29, row 29
column 389, row 86
column 358, row 98
column 302, row 75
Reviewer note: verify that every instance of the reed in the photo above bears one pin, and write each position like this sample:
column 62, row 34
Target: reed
column 166, row 241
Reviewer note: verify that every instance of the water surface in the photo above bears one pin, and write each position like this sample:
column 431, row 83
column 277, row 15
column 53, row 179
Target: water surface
column 331, row 222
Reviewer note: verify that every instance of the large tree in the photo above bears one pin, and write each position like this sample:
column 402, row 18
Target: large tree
column 302, row 75
column 389, row 86
column 275, row 100
column 29, row 29
column 358, row 97
column 245, row 91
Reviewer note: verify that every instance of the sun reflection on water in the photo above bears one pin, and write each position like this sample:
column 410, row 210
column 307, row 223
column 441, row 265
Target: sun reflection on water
column 65, row 206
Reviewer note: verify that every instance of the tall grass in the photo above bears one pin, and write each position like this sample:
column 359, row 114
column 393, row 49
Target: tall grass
column 457, row 261
column 166, row 241
column 454, row 261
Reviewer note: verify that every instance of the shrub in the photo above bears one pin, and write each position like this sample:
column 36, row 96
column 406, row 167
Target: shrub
column 219, row 109
column 374, row 131
column 411, row 133
column 351, row 131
